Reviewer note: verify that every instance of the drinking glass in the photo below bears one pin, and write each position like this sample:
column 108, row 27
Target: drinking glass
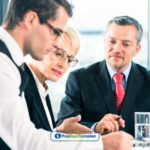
column 142, row 129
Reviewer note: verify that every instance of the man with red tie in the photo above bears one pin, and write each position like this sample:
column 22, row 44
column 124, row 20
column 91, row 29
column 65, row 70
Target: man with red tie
column 115, row 85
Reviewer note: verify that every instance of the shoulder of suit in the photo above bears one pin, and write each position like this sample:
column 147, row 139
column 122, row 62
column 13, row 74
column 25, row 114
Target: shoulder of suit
column 141, row 68
column 87, row 69
column 144, row 71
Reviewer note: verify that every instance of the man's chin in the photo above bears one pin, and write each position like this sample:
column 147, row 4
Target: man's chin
column 116, row 67
column 116, row 63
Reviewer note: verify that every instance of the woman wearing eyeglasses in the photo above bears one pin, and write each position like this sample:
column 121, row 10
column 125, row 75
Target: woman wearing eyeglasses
column 52, row 67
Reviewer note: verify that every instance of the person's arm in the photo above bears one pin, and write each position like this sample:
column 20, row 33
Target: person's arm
column 16, row 129
column 74, row 101
column 71, row 105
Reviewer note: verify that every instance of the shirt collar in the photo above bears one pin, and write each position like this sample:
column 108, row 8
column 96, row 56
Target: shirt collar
column 125, row 72
column 13, row 47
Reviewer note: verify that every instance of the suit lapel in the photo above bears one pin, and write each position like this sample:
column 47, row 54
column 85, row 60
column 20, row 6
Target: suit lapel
column 135, row 81
column 49, row 105
column 104, row 84
column 41, row 112
column 37, row 102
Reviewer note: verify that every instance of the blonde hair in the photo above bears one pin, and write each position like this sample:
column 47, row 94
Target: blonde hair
column 73, row 35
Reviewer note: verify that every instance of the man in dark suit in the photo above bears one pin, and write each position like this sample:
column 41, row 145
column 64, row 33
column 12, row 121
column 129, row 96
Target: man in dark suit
column 92, row 91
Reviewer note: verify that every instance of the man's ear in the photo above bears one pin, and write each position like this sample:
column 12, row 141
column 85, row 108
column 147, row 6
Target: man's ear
column 30, row 19
column 138, row 48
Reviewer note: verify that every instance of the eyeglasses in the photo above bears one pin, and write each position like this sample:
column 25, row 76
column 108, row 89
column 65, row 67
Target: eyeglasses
column 62, row 55
column 56, row 31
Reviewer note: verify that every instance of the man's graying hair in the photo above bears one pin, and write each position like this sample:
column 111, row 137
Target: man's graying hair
column 45, row 9
column 126, row 20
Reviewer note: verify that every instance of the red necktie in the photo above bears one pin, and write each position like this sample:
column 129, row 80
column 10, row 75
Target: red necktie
column 119, row 92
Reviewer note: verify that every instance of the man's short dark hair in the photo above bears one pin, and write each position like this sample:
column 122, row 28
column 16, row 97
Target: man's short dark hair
column 67, row 6
column 126, row 20
column 45, row 9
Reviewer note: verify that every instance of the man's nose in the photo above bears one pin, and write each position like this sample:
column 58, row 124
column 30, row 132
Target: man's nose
column 117, row 47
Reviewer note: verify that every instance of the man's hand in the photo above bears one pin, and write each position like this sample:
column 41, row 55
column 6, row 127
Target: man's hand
column 71, row 126
column 109, row 123
column 117, row 141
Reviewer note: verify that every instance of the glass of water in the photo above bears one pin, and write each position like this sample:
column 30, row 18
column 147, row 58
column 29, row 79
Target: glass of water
column 142, row 128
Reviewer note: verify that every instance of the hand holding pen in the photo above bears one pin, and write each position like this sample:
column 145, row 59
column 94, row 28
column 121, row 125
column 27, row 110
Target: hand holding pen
column 109, row 123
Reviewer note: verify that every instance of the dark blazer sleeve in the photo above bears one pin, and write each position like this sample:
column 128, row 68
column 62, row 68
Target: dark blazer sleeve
column 71, row 105
column 80, row 99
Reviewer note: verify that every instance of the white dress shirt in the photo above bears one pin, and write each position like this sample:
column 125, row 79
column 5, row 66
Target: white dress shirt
column 16, row 129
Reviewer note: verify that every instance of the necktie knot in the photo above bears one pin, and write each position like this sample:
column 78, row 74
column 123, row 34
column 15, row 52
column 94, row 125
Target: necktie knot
column 118, row 77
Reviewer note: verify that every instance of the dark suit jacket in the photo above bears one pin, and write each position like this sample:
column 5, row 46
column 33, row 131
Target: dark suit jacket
column 34, row 103
column 89, row 93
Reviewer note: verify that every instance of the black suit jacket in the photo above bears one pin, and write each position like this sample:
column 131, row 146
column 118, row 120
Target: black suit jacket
column 34, row 103
column 89, row 93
